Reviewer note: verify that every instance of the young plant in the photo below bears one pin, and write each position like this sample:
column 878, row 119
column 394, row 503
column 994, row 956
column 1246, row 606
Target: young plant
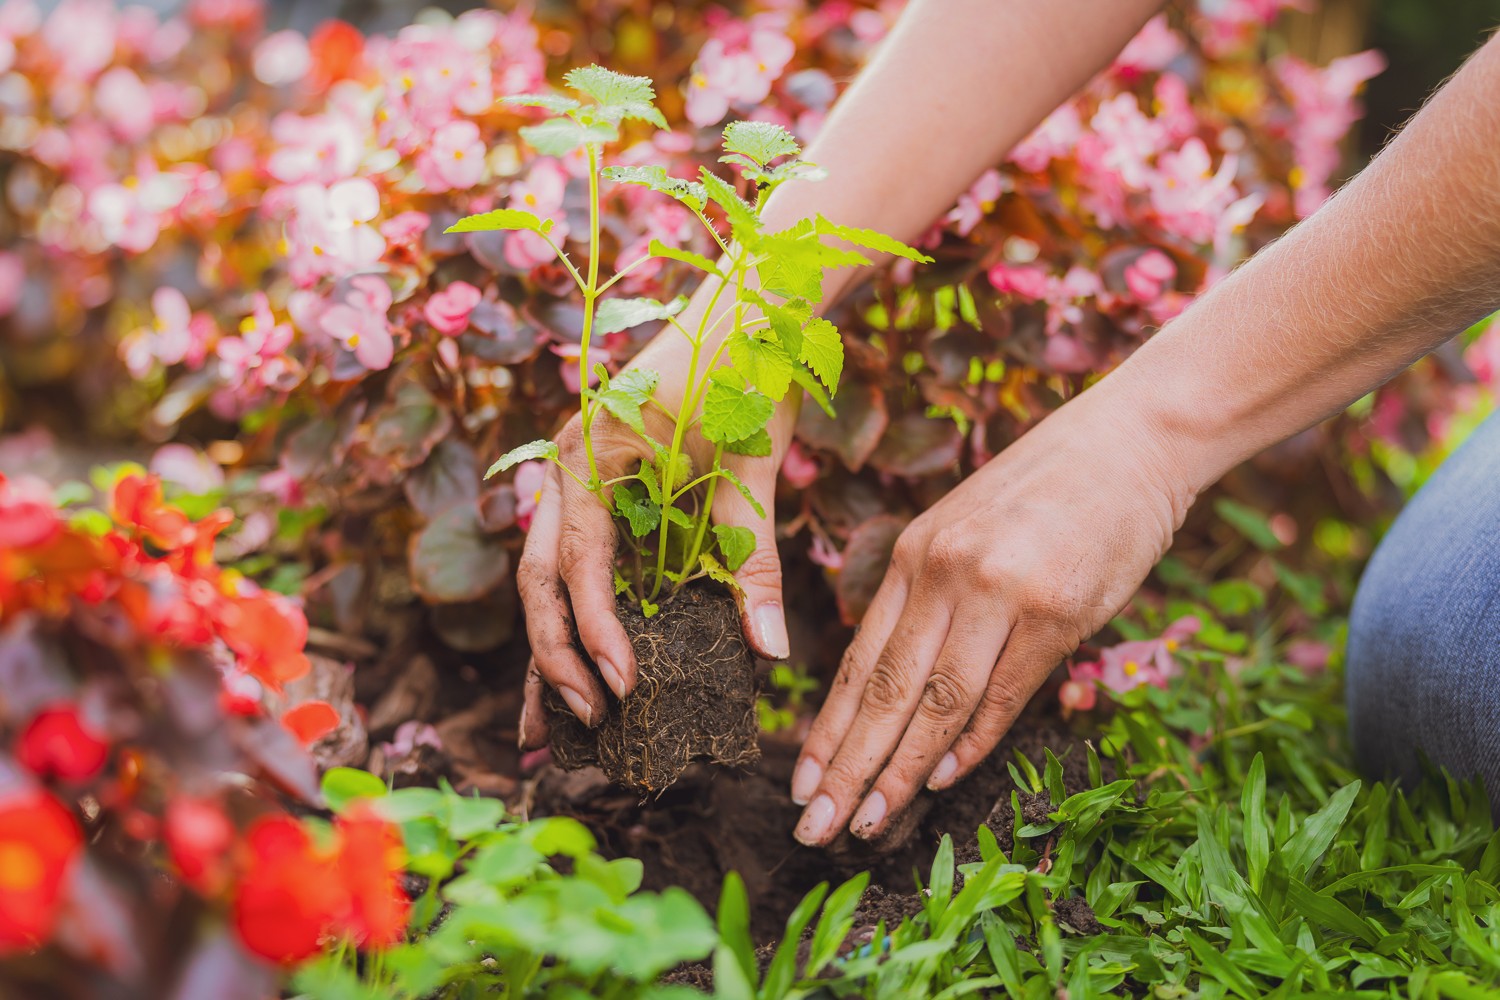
column 760, row 319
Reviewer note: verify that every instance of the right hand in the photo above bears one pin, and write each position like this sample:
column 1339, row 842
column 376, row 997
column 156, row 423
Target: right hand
column 566, row 573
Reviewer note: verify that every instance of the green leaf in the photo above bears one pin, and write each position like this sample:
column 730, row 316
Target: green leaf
column 762, row 142
column 560, row 136
column 757, row 445
column 659, row 249
column 525, row 453
column 649, row 610
column 615, row 315
column 619, row 96
column 501, row 218
column 787, row 320
column 809, row 382
column 730, row 413
column 793, row 261
column 763, row 362
column 735, row 942
column 555, row 103
column 1253, row 811
column 717, row 572
column 343, row 785
column 656, row 178
column 626, row 393
column 744, row 491
column 870, row 240
column 634, row 506
column 735, row 544
column 742, row 218
column 1317, row 832
column 1249, row 522
column 823, row 352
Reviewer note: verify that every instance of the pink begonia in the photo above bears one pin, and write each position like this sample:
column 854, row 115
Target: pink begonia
column 1149, row 275
column 330, row 232
column 528, row 486
column 175, row 336
column 571, row 354
column 281, row 58
column 739, row 73
column 405, row 229
column 1324, row 106
column 187, row 467
column 448, row 310
column 81, row 33
column 1482, row 356
column 319, row 148
column 360, row 321
column 1145, row 661
column 125, row 103
column 12, row 281
column 1188, row 195
column 1151, row 50
column 977, row 202
column 1053, row 139
column 662, row 220
column 131, row 216
column 799, row 469
column 454, row 160
column 1080, row 692
column 1026, row 281
column 541, row 194
column 823, row 553
column 257, row 357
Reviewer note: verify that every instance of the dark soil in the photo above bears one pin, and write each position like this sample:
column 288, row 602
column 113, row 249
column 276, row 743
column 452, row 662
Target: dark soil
column 694, row 698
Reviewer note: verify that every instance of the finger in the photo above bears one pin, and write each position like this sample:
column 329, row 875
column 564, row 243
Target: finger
column 948, row 700
column 549, row 622
column 842, row 703
column 891, row 692
column 1029, row 656
column 761, row 609
column 533, row 730
column 587, row 544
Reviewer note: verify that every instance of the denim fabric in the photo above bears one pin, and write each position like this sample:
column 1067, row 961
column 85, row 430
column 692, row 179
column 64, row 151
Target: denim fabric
column 1424, row 635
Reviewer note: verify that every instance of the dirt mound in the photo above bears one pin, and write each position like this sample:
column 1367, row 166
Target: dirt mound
column 694, row 698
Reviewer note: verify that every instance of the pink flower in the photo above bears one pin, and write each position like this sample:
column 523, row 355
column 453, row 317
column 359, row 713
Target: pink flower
column 1153, row 47
column 1149, row 275
column 1324, row 106
column 530, row 476
column 176, row 336
column 571, row 354
column 405, row 229
column 125, row 104
column 799, row 468
column 1080, row 692
column 1053, row 139
column 257, row 358
column 329, row 232
column 977, row 202
column 188, row 468
column 541, row 193
column 735, row 73
column 1026, row 281
column 360, row 321
column 1188, row 195
column 455, row 158
column 12, row 281
column 1146, row 661
column 823, row 553
column 448, row 310
column 321, row 148
column 281, row 58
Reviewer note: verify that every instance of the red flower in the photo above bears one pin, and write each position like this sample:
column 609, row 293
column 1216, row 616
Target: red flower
column 58, row 743
column 287, row 896
column 311, row 721
column 136, row 502
column 198, row 838
column 268, row 633
column 371, row 860
column 337, row 50
column 39, row 838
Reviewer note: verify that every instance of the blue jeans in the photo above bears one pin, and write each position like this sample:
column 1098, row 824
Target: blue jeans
column 1424, row 635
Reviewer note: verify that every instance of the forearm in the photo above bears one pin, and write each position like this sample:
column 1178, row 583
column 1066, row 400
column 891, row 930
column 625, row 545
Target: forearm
column 1404, row 257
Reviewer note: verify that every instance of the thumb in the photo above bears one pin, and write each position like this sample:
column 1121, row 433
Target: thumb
column 759, row 576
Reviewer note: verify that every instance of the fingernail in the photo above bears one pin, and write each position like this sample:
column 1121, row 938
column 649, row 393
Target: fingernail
column 578, row 704
column 871, row 815
column 521, row 727
column 770, row 631
column 611, row 677
column 805, row 780
column 816, row 822
column 943, row 775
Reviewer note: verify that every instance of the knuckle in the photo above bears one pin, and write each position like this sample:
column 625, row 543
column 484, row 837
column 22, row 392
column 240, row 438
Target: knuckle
column 1001, row 704
column 577, row 548
column 909, row 550
column 531, row 575
column 847, row 775
column 569, row 440
column 944, row 694
column 885, row 691
column 948, row 552
column 761, row 569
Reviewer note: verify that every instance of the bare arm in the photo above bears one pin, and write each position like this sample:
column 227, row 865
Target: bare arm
column 995, row 584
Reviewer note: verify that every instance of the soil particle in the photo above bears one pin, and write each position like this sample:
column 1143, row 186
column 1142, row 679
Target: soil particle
column 694, row 698
column 1075, row 913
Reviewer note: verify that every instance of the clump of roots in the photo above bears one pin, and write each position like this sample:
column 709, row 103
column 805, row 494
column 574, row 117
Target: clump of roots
column 694, row 697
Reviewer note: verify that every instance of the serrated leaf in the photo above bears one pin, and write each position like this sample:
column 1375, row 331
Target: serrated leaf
column 501, row 218
column 614, row 315
column 797, row 170
column 560, row 136
column 717, row 572
column 555, row 103
column 651, row 480
column 622, row 585
column 823, row 352
column 744, row 491
column 808, row 381
column 742, row 218
column 762, row 142
column 786, row 319
column 634, row 506
column 731, row 413
column 649, row 610
column 870, row 239
column 525, row 453
column 659, row 249
column 626, row 393
column 619, row 96
column 656, row 178
column 757, row 445
column 763, row 362
column 735, row 544
column 793, row 261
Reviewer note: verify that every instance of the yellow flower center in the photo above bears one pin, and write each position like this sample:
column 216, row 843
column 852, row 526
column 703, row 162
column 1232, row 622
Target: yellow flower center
column 1132, row 668
column 530, row 200
column 1172, row 645
column 247, row 325
column 20, row 867
column 354, row 340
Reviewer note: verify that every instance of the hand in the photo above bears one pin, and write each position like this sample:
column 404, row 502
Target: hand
column 986, row 593
column 566, row 571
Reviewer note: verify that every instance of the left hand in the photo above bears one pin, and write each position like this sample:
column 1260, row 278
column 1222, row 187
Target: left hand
column 986, row 593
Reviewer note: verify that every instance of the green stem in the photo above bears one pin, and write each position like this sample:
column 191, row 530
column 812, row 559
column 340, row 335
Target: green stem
column 622, row 272
column 708, row 510
column 590, row 294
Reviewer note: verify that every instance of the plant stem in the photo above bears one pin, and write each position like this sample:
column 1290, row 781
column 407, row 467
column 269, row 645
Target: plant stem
column 708, row 510
column 590, row 294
